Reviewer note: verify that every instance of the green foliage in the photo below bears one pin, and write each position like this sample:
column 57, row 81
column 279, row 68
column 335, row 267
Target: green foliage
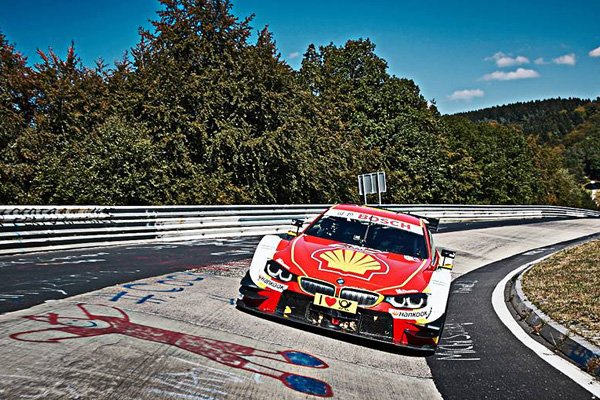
column 555, row 184
column 395, row 128
column 583, row 146
column 116, row 164
column 549, row 119
column 16, row 114
column 70, row 99
column 503, row 165
column 16, row 92
column 565, row 139
column 199, row 114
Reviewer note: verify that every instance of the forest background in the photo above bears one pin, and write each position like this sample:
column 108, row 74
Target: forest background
column 198, row 113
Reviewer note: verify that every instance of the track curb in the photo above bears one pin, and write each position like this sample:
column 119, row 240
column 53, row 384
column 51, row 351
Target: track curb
column 558, row 338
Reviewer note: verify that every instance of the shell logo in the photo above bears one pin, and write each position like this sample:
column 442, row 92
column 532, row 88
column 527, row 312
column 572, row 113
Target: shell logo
column 350, row 263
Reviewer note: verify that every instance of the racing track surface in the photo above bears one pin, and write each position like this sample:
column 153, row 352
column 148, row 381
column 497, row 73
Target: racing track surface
column 492, row 364
column 178, row 336
column 31, row 279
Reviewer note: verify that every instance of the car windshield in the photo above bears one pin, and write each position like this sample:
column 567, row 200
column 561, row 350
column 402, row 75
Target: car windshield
column 374, row 236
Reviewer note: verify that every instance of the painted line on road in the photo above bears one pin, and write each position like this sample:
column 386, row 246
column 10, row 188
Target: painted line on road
column 572, row 371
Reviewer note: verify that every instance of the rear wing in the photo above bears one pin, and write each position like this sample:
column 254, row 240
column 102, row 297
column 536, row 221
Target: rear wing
column 432, row 223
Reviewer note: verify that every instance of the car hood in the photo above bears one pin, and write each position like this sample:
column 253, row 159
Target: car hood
column 353, row 266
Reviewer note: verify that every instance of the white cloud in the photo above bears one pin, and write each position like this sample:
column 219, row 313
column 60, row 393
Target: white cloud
column 504, row 60
column 520, row 73
column 595, row 52
column 509, row 61
column 466, row 94
column 294, row 55
column 567, row 59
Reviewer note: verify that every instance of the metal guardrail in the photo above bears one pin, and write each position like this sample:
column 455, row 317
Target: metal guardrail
column 25, row 229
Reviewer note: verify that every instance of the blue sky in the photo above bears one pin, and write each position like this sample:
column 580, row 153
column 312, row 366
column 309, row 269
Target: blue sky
column 464, row 54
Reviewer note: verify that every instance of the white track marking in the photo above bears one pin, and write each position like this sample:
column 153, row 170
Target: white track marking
column 583, row 379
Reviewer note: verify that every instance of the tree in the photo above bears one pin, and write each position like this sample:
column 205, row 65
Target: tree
column 583, row 148
column 555, row 184
column 502, row 158
column 60, row 102
column 16, row 95
column 398, row 130
column 70, row 100
column 16, row 117
column 199, row 113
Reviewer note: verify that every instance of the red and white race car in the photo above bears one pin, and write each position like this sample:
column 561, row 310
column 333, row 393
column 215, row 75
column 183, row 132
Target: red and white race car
column 362, row 271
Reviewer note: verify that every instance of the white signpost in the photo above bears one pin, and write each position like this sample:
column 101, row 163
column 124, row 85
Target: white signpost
column 372, row 183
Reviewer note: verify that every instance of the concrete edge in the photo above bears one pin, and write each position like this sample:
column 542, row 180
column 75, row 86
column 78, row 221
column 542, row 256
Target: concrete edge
column 575, row 348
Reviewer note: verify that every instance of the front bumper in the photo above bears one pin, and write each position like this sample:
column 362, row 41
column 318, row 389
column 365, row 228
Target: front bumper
column 365, row 324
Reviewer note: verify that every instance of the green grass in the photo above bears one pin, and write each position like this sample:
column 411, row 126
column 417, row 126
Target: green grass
column 566, row 287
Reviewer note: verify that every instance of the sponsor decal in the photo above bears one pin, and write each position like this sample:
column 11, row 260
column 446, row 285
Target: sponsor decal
column 376, row 220
column 403, row 291
column 280, row 287
column 391, row 222
column 411, row 314
column 342, row 214
column 335, row 303
column 350, row 262
column 440, row 282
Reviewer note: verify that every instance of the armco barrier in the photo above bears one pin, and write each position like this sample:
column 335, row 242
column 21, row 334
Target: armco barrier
column 25, row 229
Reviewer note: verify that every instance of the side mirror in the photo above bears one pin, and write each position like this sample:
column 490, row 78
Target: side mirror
column 447, row 259
column 297, row 223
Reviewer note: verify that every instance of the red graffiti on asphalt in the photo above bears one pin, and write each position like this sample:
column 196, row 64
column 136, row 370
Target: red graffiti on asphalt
column 233, row 355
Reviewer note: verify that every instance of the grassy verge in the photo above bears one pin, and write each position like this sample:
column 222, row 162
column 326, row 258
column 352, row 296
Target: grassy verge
column 566, row 287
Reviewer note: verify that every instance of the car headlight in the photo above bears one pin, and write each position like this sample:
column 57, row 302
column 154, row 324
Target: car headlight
column 412, row 300
column 274, row 270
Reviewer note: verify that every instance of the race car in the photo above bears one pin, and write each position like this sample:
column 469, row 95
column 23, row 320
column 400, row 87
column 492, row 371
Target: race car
column 361, row 271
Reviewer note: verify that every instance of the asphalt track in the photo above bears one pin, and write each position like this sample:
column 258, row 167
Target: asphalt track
column 178, row 336
column 31, row 279
column 491, row 363
column 28, row 280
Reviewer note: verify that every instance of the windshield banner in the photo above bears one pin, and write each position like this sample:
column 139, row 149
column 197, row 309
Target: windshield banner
column 374, row 219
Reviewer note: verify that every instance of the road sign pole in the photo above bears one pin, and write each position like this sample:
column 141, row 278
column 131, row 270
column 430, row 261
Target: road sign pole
column 372, row 183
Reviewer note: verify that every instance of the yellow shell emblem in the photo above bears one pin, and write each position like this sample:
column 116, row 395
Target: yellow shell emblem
column 350, row 261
